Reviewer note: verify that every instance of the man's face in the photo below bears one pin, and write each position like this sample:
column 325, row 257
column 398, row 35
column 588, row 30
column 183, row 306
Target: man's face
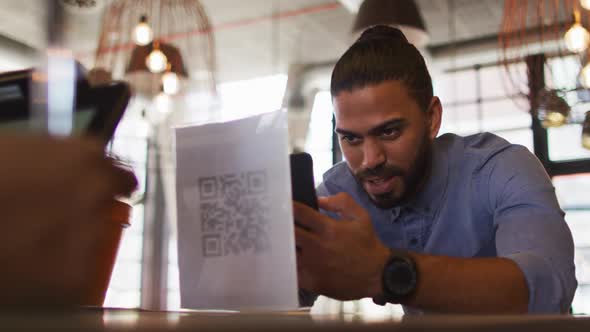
column 386, row 139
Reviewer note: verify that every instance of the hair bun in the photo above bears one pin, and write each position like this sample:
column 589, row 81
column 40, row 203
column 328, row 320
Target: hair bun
column 384, row 32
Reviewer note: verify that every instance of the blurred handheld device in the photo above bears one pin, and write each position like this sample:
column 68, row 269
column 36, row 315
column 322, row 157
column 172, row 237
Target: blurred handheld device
column 97, row 112
column 302, row 182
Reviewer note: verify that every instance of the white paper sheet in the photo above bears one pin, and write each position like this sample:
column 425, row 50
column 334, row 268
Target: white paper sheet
column 235, row 224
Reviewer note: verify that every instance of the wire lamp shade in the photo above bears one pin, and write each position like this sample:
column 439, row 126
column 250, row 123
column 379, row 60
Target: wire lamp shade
column 559, row 31
column 179, row 32
column 534, row 26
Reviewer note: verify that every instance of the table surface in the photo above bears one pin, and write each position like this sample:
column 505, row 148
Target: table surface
column 94, row 319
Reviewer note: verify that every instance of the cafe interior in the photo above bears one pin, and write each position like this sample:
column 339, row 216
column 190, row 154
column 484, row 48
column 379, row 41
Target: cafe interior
column 516, row 68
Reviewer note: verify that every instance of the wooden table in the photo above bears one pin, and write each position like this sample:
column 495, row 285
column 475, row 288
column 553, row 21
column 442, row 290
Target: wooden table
column 134, row 320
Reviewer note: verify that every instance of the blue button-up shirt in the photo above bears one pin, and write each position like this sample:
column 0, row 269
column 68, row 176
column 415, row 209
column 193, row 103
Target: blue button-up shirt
column 485, row 197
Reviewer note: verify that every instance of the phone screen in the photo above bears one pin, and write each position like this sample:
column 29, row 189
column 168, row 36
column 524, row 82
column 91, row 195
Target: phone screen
column 82, row 119
column 15, row 116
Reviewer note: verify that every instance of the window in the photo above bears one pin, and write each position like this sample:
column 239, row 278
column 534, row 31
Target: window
column 565, row 142
column 319, row 138
column 130, row 144
column 125, row 287
column 251, row 97
column 574, row 197
column 485, row 103
column 573, row 190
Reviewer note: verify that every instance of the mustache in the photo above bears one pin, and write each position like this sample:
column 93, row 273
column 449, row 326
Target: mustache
column 381, row 171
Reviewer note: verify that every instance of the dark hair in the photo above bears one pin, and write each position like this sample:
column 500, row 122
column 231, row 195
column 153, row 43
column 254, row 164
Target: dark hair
column 383, row 53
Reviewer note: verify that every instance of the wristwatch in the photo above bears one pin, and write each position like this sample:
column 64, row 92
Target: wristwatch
column 399, row 279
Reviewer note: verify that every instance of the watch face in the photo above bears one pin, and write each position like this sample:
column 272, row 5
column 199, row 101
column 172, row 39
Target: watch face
column 400, row 277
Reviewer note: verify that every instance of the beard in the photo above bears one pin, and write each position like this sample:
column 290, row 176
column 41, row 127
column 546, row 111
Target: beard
column 412, row 180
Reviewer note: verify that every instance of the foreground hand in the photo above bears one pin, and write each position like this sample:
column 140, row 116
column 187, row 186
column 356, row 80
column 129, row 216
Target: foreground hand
column 56, row 195
column 342, row 259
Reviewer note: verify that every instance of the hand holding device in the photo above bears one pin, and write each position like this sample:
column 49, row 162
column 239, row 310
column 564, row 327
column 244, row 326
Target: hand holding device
column 56, row 194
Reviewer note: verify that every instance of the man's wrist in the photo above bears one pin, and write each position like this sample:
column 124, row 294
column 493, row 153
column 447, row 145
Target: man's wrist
column 375, row 284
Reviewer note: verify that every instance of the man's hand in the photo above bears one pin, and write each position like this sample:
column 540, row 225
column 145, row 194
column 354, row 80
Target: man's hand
column 56, row 196
column 342, row 259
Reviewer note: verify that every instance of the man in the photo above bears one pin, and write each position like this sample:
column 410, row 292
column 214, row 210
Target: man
column 439, row 224
column 55, row 194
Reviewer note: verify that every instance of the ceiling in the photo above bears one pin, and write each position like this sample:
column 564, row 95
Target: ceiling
column 247, row 41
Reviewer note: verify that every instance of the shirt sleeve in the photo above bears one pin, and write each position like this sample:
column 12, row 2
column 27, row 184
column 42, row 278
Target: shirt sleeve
column 531, row 230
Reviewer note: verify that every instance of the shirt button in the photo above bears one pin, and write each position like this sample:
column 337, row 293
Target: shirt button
column 395, row 214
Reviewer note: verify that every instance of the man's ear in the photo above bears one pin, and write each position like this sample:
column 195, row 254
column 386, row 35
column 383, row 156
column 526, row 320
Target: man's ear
column 434, row 117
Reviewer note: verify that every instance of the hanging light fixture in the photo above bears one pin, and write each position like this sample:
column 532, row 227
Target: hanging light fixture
column 143, row 34
column 586, row 131
column 517, row 42
column 170, row 82
column 553, row 109
column 577, row 37
column 518, row 45
column 402, row 14
column 148, row 82
column 180, row 34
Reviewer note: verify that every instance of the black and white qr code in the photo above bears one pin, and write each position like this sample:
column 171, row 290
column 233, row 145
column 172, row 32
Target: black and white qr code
column 234, row 214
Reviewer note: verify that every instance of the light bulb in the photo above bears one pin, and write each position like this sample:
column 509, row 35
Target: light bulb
column 156, row 61
column 577, row 38
column 585, row 76
column 585, row 4
column 162, row 107
column 170, row 83
column 553, row 110
column 163, row 103
column 553, row 119
column 143, row 34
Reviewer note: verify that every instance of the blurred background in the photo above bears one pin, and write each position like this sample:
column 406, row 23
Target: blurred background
column 516, row 68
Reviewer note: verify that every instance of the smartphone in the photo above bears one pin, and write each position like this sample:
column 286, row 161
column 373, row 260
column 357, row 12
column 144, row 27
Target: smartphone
column 302, row 182
column 97, row 110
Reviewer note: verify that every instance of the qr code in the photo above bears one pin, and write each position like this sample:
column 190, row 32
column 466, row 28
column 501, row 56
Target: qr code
column 234, row 214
